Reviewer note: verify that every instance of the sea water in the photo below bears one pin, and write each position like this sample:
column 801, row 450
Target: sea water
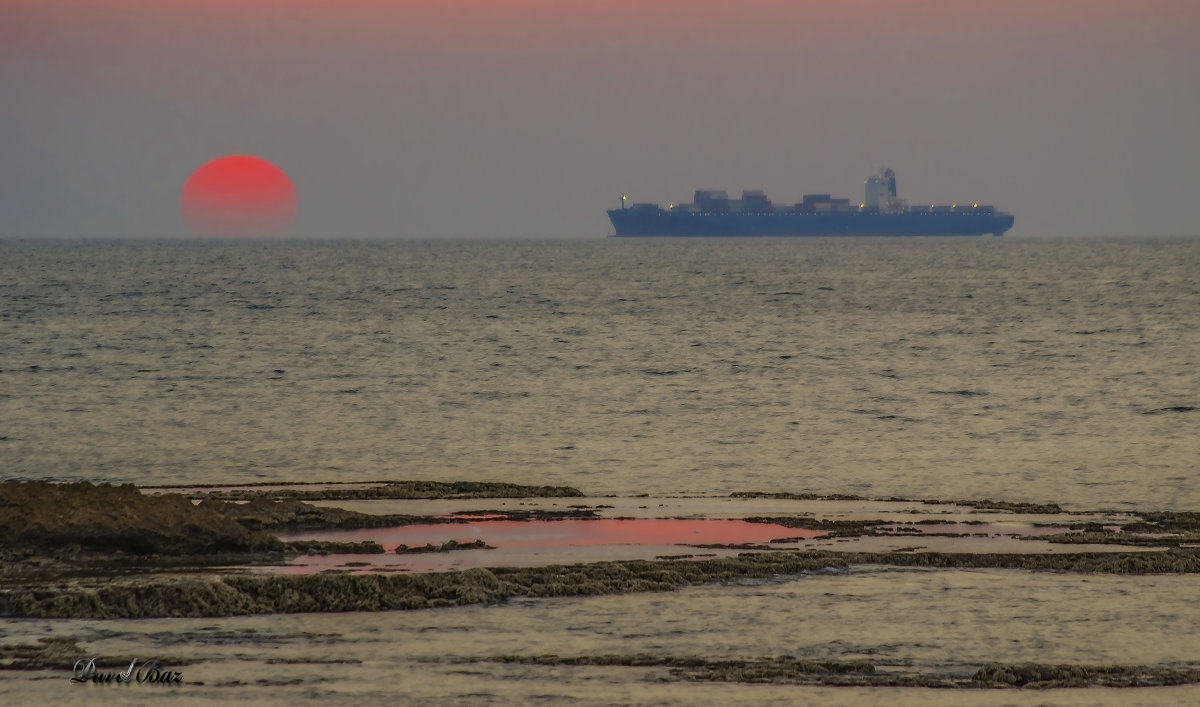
column 1047, row 370
column 1039, row 370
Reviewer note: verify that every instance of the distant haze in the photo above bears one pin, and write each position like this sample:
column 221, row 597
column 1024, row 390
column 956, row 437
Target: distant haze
column 527, row 118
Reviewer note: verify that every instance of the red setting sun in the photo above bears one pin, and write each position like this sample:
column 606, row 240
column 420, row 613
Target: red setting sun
column 238, row 196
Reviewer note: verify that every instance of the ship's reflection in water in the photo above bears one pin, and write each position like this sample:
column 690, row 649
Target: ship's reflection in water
column 540, row 542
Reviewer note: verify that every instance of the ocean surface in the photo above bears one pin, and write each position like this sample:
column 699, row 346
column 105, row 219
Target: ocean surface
column 1039, row 370
column 1045, row 370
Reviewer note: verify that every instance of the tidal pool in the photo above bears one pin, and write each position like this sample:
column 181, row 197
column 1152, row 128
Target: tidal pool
column 539, row 542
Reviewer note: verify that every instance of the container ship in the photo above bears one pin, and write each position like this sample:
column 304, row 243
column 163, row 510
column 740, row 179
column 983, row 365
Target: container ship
column 881, row 213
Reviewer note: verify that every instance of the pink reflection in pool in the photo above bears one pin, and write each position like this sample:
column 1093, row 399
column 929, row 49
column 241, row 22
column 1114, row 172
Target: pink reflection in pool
column 531, row 543
column 554, row 533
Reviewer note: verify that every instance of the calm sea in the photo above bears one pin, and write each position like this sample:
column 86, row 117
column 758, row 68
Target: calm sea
column 1040, row 370
column 1018, row 369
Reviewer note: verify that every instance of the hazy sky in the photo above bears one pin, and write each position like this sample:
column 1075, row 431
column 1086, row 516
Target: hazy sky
column 521, row 118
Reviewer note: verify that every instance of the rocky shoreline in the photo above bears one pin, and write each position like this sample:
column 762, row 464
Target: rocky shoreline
column 49, row 528
column 84, row 551
column 97, row 551
column 157, row 597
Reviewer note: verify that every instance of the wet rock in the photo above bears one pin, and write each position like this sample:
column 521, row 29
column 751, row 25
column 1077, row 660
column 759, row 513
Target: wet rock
column 832, row 528
column 1108, row 537
column 148, row 597
column 1165, row 521
column 1173, row 561
column 1038, row 675
column 1171, row 408
column 790, row 670
column 264, row 513
column 448, row 546
column 256, row 594
column 573, row 513
column 1010, row 506
column 982, row 504
column 88, row 517
column 798, row 496
column 729, row 546
column 329, row 547
column 404, row 490
column 783, row 669
column 695, row 664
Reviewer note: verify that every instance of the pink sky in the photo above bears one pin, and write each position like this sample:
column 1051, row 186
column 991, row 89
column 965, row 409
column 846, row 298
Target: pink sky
column 492, row 118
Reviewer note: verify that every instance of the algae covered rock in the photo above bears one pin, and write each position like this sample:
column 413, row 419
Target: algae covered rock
column 105, row 518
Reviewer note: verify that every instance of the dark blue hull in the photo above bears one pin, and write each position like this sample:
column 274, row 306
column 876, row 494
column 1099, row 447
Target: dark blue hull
column 658, row 222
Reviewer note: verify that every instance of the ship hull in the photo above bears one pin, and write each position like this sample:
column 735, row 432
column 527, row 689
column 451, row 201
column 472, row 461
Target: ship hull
column 658, row 223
